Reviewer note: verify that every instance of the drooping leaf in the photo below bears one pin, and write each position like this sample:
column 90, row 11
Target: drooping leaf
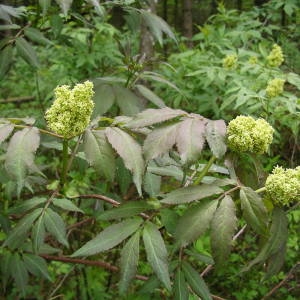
column 215, row 136
column 157, row 254
column 275, row 262
column 104, row 98
column 128, row 102
column 152, row 184
column 36, row 265
column 5, row 131
column 195, row 221
column 27, row 52
column 125, row 210
column 254, row 211
column 20, row 154
column 66, row 204
column 27, row 205
column 223, row 226
column 128, row 261
column 190, row 139
column 154, row 116
column 45, row 4
column 36, row 35
column 157, row 26
column 160, row 141
column 38, row 234
column 19, row 233
column 276, row 241
column 158, row 78
column 181, row 291
column 191, row 193
column 202, row 257
column 196, row 282
column 64, row 5
column 149, row 95
column 56, row 226
column 18, row 272
column 130, row 151
column 109, row 237
column 6, row 56
column 99, row 153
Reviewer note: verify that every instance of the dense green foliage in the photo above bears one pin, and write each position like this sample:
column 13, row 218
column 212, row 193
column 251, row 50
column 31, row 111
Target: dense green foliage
column 124, row 176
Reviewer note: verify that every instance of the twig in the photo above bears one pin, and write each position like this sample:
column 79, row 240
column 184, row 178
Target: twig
column 78, row 224
column 101, row 264
column 17, row 99
column 282, row 282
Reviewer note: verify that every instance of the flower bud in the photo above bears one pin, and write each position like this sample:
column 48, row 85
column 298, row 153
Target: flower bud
column 245, row 134
column 283, row 186
column 71, row 110
column 275, row 87
column 230, row 61
column 275, row 58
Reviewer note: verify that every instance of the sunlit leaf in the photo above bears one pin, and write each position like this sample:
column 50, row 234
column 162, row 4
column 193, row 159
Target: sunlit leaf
column 130, row 151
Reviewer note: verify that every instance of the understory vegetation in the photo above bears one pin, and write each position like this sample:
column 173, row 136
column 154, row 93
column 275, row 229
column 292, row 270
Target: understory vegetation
column 144, row 159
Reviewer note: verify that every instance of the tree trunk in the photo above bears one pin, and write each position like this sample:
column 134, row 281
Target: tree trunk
column 188, row 21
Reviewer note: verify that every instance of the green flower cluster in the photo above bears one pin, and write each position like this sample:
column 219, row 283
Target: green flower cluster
column 283, row 186
column 230, row 61
column 245, row 134
column 253, row 60
column 275, row 87
column 71, row 111
column 275, row 58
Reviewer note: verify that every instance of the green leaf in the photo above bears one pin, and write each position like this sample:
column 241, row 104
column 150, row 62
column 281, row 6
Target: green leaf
column 190, row 139
column 18, row 272
column 191, row 193
column 254, row 211
column 27, row 205
column 5, row 267
column 157, row 254
column 149, row 95
column 195, row 221
column 202, row 257
column 5, row 131
column 36, row 36
column 6, row 56
column 276, row 241
column 109, row 237
column 152, row 184
column 65, row 5
column 45, row 4
column 223, row 226
column 56, row 226
column 20, row 154
column 66, row 204
column 196, row 282
column 17, row 236
column 154, row 116
column 215, row 136
column 130, row 151
column 181, row 291
column 128, row 262
column 99, row 153
column 123, row 176
column 157, row 26
column 104, row 99
column 160, row 141
column 36, row 265
column 128, row 102
column 27, row 52
column 126, row 210
column 38, row 234
column 169, row 219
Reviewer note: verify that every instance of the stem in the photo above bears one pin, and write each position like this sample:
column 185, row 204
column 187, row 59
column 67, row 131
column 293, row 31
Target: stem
column 261, row 190
column 40, row 130
column 205, row 170
column 39, row 93
column 64, row 161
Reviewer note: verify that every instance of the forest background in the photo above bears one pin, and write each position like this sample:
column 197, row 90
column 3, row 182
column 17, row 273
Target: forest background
column 69, row 204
